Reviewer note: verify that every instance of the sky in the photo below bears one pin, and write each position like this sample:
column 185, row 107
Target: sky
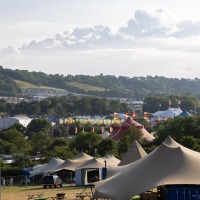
column 110, row 37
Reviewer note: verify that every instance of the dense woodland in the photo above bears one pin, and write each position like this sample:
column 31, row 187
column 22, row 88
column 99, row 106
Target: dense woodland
column 72, row 105
column 126, row 87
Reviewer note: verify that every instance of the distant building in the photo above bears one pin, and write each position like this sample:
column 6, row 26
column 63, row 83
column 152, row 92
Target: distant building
column 7, row 122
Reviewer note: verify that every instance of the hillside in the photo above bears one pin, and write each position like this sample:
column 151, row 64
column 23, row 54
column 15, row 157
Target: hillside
column 100, row 85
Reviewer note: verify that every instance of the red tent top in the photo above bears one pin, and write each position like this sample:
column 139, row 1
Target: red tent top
column 119, row 130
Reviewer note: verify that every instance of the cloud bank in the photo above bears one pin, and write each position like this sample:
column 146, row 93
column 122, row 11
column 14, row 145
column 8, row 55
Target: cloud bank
column 151, row 43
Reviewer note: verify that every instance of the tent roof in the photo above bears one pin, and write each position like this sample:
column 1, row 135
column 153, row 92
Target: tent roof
column 54, row 162
column 135, row 152
column 171, row 163
column 67, row 165
column 72, row 164
column 94, row 163
column 170, row 113
column 110, row 159
column 81, row 157
column 119, row 130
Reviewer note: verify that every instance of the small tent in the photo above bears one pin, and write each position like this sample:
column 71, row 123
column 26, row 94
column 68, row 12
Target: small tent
column 135, row 152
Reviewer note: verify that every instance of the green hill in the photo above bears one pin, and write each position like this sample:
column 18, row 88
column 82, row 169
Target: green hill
column 99, row 85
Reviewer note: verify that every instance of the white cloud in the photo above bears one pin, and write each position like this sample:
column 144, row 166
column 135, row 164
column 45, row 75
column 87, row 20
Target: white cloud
column 152, row 43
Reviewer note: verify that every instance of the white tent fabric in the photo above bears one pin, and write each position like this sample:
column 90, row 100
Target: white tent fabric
column 72, row 164
column 169, row 113
column 171, row 163
column 66, row 165
column 82, row 157
column 110, row 159
column 54, row 162
column 36, row 170
column 135, row 152
column 94, row 163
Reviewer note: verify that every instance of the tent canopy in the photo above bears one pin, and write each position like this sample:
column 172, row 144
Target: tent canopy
column 169, row 164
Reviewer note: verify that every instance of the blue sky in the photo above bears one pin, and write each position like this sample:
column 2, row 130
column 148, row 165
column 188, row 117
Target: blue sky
column 127, row 38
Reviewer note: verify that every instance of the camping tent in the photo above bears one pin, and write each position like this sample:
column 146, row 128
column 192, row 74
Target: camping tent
column 169, row 164
column 135, row 152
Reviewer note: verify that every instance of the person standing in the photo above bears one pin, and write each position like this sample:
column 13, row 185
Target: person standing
column 11, row 181
column 3, row 182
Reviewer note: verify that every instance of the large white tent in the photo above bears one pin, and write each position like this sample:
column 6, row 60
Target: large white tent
column 7, row 122
column 169, row 164
column 169, row 113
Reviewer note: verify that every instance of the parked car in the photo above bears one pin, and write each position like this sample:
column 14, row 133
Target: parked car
column 51, row 180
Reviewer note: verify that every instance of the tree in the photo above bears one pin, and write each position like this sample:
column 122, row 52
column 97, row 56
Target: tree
column 37, row 125
column 87, row 141
column 39, row 141
column 13, row 141
column 108, row 146
column 129, row 136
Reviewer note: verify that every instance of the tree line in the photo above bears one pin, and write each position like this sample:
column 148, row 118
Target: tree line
column 73, row 105
column 124, row 87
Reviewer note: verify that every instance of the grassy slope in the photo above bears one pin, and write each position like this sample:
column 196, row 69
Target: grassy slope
column 73, row 84
column 85, row 87
column 23, row 84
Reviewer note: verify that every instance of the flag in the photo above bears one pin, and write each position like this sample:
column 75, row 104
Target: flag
column 115, row 115
column 146, row 115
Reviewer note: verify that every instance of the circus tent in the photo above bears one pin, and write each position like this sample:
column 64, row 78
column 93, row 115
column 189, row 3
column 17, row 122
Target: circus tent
column 119, row 130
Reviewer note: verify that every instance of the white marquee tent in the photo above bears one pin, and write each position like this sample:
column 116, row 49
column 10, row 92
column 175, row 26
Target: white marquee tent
column 169, row 164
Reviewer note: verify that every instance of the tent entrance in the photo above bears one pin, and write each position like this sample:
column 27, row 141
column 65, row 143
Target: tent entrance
column 92, row 175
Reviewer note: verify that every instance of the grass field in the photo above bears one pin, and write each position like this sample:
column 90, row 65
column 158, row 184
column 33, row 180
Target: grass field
column 23, row 84
column 81, row 86
column 22, row 192
column 85, row 86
